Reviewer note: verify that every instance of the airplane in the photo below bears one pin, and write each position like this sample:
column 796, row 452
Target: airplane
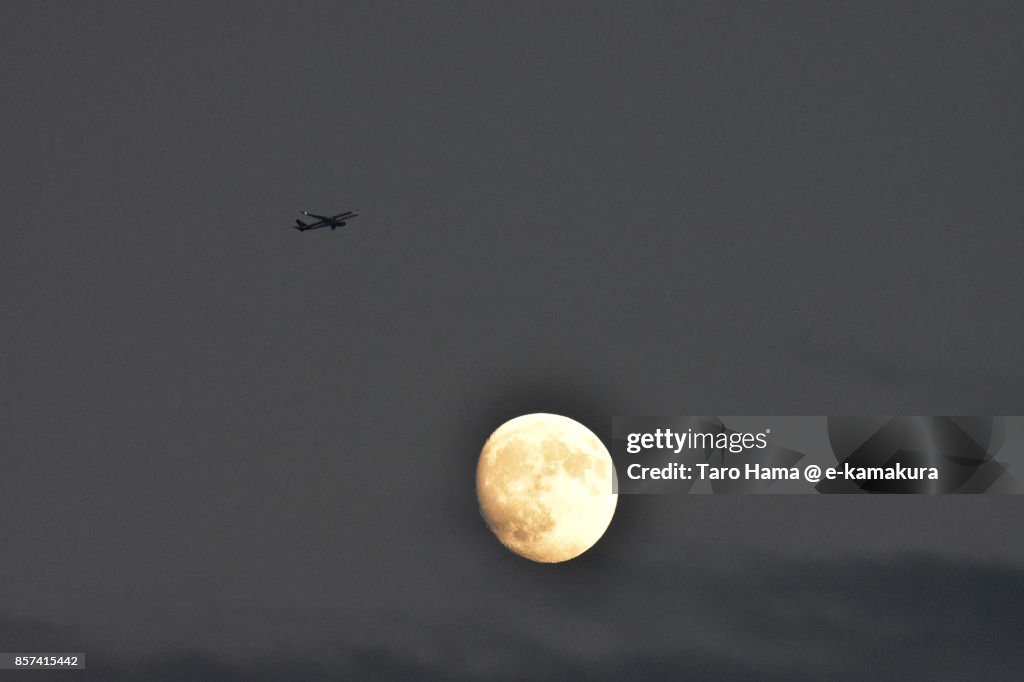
column 324, row 221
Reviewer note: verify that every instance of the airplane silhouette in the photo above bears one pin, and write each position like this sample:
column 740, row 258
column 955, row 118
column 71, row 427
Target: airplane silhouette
column 333, row 222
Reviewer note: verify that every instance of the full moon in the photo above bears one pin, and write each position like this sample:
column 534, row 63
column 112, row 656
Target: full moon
column 546, row 487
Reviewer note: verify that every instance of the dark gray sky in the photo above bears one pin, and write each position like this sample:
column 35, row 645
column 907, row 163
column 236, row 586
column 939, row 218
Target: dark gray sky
column 233, row 451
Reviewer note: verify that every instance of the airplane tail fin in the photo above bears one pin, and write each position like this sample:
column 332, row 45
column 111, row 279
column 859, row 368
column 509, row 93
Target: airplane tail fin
column 299, row 225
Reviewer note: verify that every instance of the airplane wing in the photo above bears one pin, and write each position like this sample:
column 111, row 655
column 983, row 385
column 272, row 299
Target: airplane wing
column 328, row 218
column 324, row 220
column 302, row 227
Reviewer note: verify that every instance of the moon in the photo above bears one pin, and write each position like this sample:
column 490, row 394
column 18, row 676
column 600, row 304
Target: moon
column 546, row 487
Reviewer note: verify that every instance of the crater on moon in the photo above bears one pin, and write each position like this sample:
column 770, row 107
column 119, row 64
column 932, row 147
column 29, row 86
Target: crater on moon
column 546, row 487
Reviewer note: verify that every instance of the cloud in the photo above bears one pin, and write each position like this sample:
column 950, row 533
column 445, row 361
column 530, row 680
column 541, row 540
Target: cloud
column 917, row 617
